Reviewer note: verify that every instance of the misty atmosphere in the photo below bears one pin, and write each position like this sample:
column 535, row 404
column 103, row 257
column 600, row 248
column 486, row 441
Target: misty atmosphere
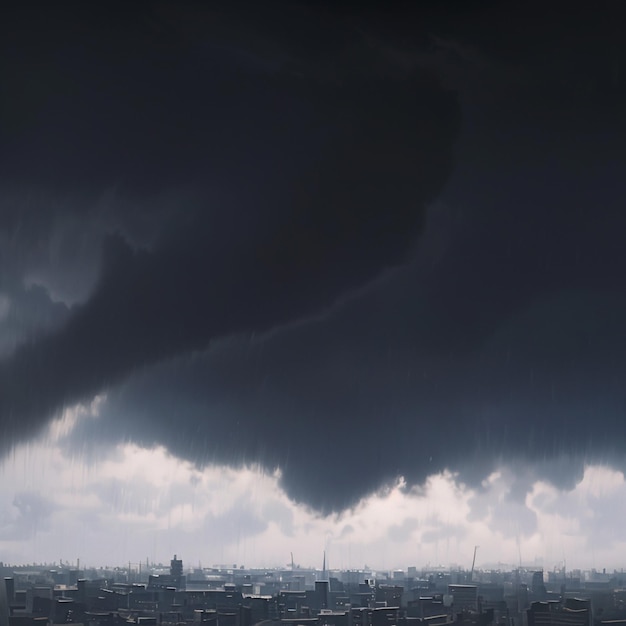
column 343, row 281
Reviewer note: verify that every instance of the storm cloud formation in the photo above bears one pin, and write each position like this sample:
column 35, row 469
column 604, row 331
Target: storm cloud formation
column 304, row 186
column 259, row 174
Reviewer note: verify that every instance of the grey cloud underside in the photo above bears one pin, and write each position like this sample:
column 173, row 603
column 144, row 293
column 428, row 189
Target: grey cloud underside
column 502, row 339
column 341, row 416
column 303, row 187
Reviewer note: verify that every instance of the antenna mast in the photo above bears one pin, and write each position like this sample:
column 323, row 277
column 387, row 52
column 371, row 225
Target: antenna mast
column 473, row 563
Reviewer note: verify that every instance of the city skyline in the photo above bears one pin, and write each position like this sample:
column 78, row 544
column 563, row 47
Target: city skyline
column 191, row 573
column 243, row 597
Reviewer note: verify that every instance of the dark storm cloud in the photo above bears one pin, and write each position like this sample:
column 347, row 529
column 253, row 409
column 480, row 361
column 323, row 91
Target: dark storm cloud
column 504, row 337
column 298, row 184
column 341, row 415
column 25, row 313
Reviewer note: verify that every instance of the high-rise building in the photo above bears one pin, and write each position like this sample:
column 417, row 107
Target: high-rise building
column 4, row 604
column 176, row 567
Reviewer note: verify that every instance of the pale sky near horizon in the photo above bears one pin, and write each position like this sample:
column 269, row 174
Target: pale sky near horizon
column 136, row 503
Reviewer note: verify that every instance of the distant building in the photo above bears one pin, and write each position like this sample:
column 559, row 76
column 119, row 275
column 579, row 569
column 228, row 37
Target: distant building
column 174, row 580
column 464, row 597
column 176, row 570
column 538, row 587
column 577, row 613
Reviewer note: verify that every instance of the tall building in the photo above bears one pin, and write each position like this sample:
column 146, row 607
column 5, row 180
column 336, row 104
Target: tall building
column 175, row 579
column 4, row 604
column 538, row 587
column 176, row 567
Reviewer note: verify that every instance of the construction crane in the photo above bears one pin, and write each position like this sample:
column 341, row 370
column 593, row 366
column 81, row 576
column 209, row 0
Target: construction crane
column 473, row 563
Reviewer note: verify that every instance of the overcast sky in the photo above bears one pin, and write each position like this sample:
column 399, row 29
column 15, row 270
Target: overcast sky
column 308, row 277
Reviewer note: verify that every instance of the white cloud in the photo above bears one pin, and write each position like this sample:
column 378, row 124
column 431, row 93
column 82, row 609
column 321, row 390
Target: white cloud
column 136, row 502
column 63, row 425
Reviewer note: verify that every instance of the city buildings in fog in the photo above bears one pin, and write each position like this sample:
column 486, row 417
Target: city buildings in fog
column 149, row 594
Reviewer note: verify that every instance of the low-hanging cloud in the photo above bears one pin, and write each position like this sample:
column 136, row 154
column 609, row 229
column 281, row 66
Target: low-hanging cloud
column 300, row 172
column 301, row 186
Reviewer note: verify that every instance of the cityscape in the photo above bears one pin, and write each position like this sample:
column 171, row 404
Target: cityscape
column 313, row 313
column 150, row 594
